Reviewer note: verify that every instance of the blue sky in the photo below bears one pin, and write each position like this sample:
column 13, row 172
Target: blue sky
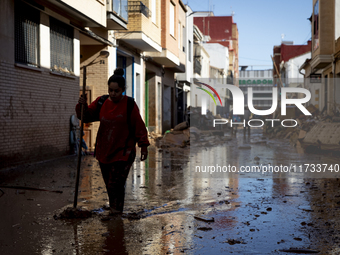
column 260, row 25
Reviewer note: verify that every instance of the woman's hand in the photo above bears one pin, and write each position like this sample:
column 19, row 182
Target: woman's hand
column 83, row 99
column 144, row 153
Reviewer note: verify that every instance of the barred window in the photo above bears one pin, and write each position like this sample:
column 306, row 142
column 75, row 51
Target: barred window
column 61, row 38
column 27, row 21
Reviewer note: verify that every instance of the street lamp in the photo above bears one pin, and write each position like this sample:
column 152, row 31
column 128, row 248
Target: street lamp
column 102, row 54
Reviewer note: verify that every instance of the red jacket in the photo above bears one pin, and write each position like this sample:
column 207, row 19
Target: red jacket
column 113, row 130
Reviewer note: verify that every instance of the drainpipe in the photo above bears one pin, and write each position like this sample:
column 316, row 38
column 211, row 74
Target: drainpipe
column 301, row 73
column 303, row 77
column 334, row 59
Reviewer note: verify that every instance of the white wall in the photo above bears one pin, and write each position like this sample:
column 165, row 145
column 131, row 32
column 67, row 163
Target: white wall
column 337, row 19
column 96, row 10
column 189, row 36
column 292, row 76
column 196, row 94
column 219, row 55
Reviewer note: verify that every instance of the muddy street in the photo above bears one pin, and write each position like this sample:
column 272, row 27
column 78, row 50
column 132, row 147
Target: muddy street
column 170, row 208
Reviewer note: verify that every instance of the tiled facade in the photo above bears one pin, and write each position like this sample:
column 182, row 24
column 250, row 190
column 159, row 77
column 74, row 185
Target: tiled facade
column 150, row 39
column 40, row 83
column 36, row 106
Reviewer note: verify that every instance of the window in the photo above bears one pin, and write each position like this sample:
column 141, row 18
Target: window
column 172, row 19
column 121, row 8
column 184, row 38
column 153, row 12
column 316, row 26
column 61, row 38
column 189, row 50
column 337, row 19
column 326, row 92
column 27, row 21
column 179, row 35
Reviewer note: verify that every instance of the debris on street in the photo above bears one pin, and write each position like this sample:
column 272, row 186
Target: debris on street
column 205, row 219
column 73, row 213
column 320, row 130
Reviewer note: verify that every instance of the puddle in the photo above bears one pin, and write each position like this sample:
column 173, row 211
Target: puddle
column 263, row 214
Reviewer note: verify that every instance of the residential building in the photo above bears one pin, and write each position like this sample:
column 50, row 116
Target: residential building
column 222, row 30
column 143, row 35
column 43, row 46
column 184, row 80
column 219, row 65
column 288, row 58
column 322, row 71
column 201, row 69
column 172, row 58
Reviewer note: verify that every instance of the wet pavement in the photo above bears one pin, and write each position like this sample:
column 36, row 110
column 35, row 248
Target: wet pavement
column 171, row 209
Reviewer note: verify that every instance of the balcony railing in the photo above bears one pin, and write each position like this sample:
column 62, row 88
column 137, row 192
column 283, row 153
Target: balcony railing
column 139, row 7
column 120, row 7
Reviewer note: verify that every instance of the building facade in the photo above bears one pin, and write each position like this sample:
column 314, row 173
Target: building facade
column 222, row 30
column 322, row 70
column 201, row 69
column 261, row 83
column 43, row 45
column 288, row 58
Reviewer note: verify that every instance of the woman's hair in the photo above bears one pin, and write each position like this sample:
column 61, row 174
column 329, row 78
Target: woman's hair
column 118, row 77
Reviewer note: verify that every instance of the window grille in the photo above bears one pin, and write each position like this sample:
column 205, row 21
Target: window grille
column 61, row 37
column 27, row 21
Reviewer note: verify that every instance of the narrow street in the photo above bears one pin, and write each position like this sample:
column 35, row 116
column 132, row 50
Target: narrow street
column 170, row 209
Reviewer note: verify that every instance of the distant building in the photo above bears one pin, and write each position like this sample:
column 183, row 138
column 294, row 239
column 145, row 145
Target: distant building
column 261, row 82
column 201, row 67
column 288, row 59
column 222, row 30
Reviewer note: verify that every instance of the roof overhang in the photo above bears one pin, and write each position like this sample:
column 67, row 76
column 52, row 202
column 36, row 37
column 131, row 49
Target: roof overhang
column 177, row 69
column 87, row 37
column 305, row 64
column 114, row 22
column 140, row 41
column 321, row 61
column 70, row 13
column 165, row 57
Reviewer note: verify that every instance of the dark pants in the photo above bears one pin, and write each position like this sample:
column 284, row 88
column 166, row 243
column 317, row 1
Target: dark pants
column 115, row 175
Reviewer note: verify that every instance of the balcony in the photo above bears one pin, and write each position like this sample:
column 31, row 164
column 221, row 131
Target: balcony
column 168, row 60
column 139, row 7
column 117, row 14
column 321, row 61
column 142, row 34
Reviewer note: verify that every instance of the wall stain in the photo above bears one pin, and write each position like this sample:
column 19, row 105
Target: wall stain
column 25, row 110
column 10, row 110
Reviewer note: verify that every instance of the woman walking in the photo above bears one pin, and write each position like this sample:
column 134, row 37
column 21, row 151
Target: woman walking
column 119, row 131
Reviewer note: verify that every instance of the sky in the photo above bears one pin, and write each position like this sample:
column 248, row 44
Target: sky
column 261, row 25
